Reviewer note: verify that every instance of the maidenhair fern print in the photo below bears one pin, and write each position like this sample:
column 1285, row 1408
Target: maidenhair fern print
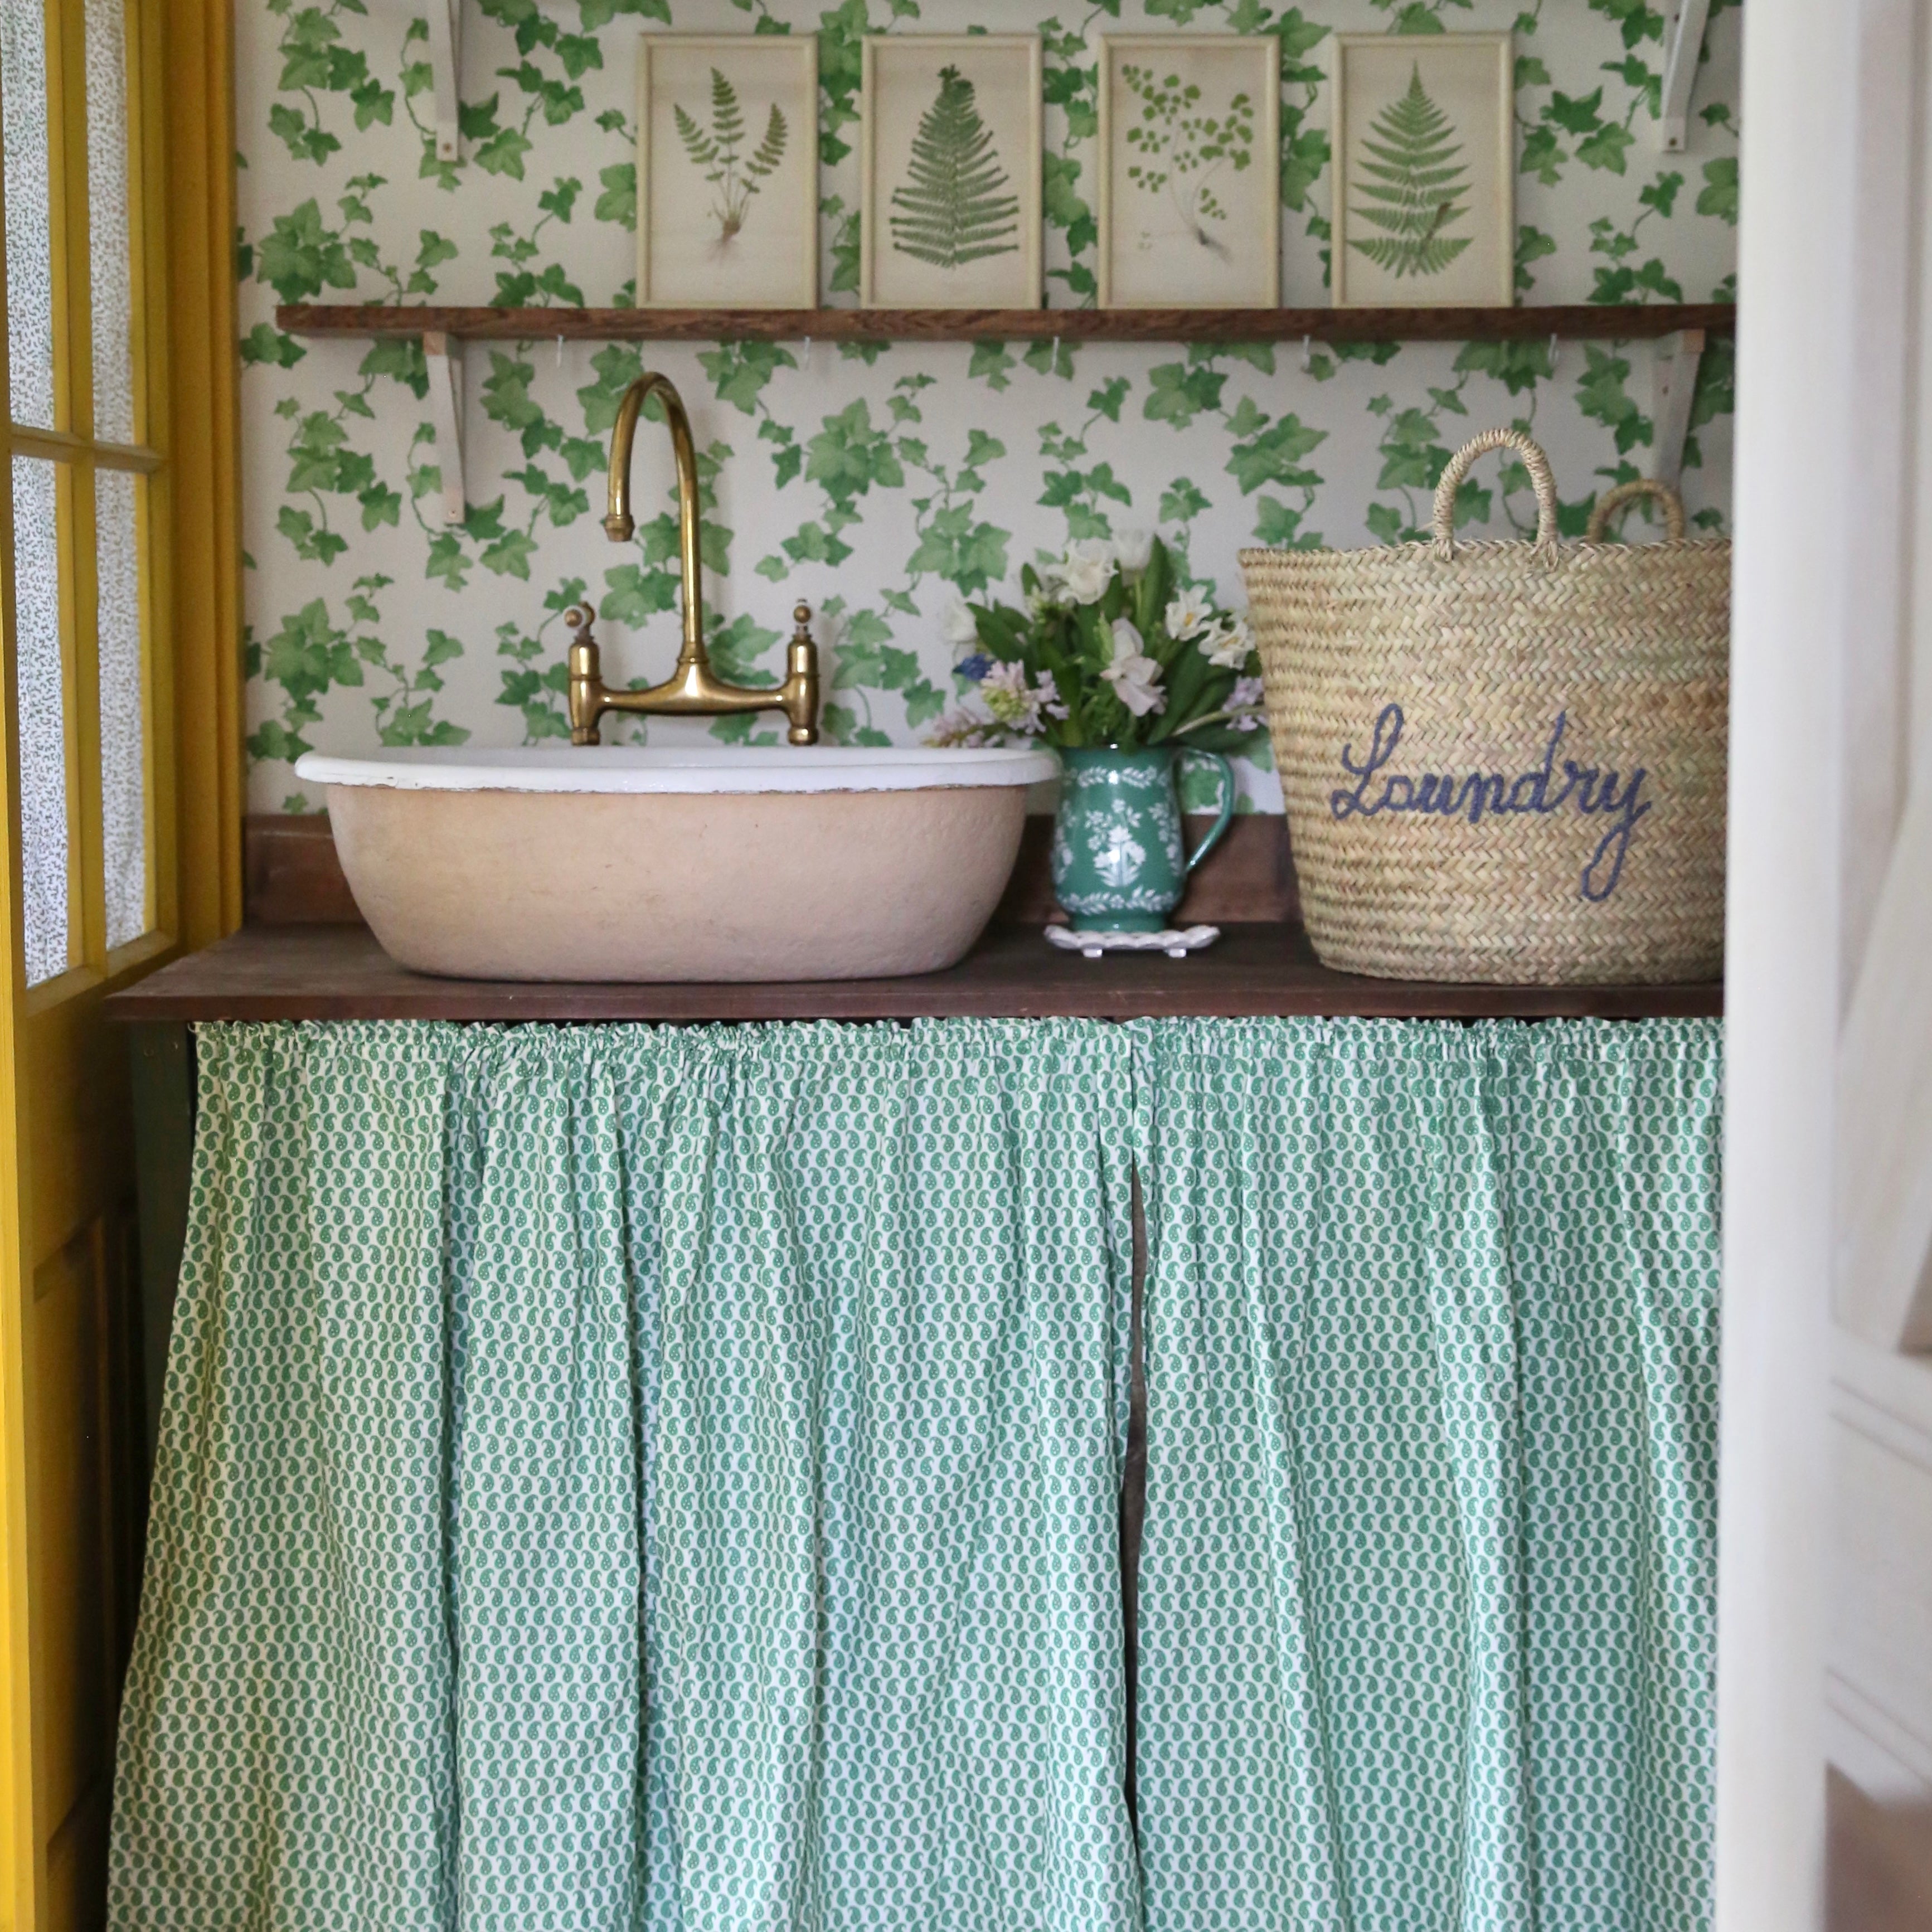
column 951, row 210
column 732, row 175
column 1412, row 181
column 1181, row 147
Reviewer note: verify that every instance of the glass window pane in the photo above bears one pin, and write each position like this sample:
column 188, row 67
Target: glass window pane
column 42, row 678
column 23, row 109
column 124, row 763
column 107, row 219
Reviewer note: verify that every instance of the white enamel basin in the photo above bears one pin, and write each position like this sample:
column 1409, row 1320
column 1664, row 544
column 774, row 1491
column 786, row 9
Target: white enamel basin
column 620, row 863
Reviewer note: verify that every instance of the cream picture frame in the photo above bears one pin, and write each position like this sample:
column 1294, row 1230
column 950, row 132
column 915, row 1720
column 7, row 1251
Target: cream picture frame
column 1422, row 118
column 919, row 247
column 1189, row 195
column 727, row 171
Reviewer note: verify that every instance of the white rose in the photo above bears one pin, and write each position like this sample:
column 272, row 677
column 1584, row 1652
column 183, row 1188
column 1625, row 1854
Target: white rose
column 1086, row 569
column 1133, row 549
column 956, row 623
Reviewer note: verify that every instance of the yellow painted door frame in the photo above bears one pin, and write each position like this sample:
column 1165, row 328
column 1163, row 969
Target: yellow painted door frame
column 71, row 1485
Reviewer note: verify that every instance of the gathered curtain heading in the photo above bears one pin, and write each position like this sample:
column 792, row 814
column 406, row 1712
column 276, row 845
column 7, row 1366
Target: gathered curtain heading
column 628, row 1477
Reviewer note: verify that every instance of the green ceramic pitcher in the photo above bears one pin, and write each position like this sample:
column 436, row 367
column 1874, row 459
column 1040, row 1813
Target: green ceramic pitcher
column 1118, row 865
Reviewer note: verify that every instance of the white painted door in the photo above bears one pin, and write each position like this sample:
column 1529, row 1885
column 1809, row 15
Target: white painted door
column 1826, row 1525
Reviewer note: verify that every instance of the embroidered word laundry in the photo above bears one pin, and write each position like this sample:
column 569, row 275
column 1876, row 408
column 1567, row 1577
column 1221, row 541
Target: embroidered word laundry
column 1494, row 794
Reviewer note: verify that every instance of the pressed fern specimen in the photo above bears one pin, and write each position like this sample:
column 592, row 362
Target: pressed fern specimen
column 1181, row 147
column 1411, row 186
column 733, row 176
column 951, row 210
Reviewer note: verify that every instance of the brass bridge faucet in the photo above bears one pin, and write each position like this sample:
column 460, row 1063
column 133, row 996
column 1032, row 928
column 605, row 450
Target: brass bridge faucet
column 692, row 689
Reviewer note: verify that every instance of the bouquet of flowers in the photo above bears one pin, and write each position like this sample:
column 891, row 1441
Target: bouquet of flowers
column 1111, row 649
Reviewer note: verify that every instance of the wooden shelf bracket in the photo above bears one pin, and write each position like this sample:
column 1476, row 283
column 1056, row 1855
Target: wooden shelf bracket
column 1676, row 378
column 443, row 354
column 445, row 53
column 1684, row 47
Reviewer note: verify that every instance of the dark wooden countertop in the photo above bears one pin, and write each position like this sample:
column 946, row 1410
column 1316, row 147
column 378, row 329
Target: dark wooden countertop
column 339, row 972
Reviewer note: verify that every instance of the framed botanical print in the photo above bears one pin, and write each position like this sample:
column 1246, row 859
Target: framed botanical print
column 727, row 171
column 949, row 156
column 1424, row 174
column 1189, row 194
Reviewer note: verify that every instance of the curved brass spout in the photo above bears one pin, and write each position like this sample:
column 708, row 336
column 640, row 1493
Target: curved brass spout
column 691, row 689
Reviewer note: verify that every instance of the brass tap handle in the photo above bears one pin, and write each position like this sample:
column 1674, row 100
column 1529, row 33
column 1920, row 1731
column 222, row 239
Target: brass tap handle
column 801, row 682
column 586, row 679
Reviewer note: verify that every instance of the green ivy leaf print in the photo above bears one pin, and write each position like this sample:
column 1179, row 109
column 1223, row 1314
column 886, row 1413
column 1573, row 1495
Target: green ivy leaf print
column 301, row 257
column 1720, row 195
column 951, row 210
column 1413, row 181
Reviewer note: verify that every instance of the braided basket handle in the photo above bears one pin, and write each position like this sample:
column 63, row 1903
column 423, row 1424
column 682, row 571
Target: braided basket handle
column 1612, row 503
column 1540, row 477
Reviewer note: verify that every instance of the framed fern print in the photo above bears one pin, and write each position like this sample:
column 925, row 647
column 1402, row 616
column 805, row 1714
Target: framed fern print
column 727, row 171
column 1424, row 133
column 1190, row 203
column 949, row 194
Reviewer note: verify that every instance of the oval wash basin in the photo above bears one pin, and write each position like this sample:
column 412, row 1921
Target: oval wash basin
column 623, row 862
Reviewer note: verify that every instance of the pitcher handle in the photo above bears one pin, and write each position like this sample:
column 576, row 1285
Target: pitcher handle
column 1220, row 825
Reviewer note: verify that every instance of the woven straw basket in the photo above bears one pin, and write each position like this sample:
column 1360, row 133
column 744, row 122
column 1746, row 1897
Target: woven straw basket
column 1505, row 762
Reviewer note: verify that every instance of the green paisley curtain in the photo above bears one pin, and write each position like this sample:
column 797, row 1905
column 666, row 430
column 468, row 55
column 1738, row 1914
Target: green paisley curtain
column 625, row 1478
column 1427, row 1584
column 771, row 1381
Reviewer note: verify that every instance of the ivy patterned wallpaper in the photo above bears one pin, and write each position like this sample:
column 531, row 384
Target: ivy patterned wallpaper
column 881, row 483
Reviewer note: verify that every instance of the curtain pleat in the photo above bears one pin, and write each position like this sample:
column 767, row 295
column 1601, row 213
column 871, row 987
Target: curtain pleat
column 1426, row 1586
column 285, row 1752
column 620, row 1476
column 544, row 1574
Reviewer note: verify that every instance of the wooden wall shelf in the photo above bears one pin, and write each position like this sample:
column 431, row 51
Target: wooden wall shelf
column 1577, row 323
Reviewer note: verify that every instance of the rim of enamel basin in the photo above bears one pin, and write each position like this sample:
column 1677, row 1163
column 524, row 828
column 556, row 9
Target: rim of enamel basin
column 688, row 769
